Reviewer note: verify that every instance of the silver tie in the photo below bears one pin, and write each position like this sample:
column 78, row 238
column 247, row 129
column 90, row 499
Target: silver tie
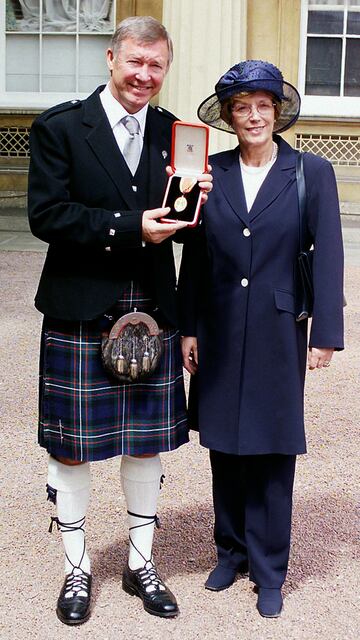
column 133, row 145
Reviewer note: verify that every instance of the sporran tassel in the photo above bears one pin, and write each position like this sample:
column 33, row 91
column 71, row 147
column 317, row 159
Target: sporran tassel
column 133, row 363
column 146, row 358
column 120, row 363
column 133, row 368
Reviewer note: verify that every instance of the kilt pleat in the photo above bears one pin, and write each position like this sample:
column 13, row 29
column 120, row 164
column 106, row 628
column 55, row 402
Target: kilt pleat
column 84, row 414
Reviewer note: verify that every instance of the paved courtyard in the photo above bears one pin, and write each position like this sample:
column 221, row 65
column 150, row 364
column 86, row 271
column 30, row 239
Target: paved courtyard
column 322, row 589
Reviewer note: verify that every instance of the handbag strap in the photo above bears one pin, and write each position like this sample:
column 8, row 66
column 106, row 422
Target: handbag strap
column 301, row 191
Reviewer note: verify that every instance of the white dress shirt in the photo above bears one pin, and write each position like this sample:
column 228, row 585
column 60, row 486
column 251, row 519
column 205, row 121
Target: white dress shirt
column 115, row 112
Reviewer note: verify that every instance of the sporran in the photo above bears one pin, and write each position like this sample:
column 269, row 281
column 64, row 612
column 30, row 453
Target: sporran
column 132, row 350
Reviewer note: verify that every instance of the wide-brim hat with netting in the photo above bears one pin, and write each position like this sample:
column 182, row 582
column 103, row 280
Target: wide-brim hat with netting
column 250, row 76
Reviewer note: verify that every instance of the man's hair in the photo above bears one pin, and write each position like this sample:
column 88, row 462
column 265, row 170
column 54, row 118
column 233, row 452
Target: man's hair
column 144, row 29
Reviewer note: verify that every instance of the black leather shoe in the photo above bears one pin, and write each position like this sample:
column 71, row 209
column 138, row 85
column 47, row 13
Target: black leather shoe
column 75, row 608
column 270, row 602
column 221, row 577
column 147, row 585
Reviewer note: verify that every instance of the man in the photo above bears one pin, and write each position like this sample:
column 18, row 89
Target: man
column 97, row 176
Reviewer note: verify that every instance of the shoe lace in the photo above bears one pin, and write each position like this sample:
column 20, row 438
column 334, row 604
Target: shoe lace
column 150, row 520
column 150, row 578
column 76, row 584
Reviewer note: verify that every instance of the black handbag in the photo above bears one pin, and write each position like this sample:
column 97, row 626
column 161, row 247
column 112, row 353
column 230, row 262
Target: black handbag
column 303, row 276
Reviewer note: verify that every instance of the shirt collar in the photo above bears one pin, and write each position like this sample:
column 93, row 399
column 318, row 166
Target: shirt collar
column 115, row 111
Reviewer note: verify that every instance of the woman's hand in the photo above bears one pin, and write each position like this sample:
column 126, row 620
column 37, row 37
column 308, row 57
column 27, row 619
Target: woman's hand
column 204, row 180
column 205, row 184
column 189, row 353
column 319, row 358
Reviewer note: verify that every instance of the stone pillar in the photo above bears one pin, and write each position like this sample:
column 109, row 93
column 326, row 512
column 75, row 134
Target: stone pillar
column 209, row 37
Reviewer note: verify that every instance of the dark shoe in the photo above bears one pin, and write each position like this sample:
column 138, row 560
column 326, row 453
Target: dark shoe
column 147, row 585
column 75, row 609
column 270, row 602
column 222, row 577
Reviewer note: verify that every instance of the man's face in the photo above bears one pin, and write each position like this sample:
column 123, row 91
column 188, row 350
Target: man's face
column 137, row 72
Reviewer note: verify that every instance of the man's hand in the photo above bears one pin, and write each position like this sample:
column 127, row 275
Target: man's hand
column 154, row 231
column 319, row 358
column 189, row 353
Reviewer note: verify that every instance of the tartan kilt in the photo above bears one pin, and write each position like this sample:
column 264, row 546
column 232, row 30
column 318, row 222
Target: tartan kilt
column 86, row 415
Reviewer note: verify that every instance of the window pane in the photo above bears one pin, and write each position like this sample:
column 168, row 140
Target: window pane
column 326, row 3
column 59, row 63
column 92, row 63
column 22, row 15
column 23, row 76
column 94, row 15
column 323, row 66
column 353, row 22
column 352, row 68
column 325, row 21
column 59, row 16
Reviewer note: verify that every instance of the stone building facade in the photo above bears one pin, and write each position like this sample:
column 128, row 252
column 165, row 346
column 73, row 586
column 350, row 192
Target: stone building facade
column 54, row 51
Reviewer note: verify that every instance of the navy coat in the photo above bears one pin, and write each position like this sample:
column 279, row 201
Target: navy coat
column 237, row 296
column 78, row 180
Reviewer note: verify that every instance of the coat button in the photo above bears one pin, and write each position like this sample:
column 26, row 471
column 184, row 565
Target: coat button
column 246, row 232
column 244, row 282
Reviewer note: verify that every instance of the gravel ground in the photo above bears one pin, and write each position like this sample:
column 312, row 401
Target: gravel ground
column 321, row 592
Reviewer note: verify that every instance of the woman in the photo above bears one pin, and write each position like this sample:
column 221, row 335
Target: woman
column 240, row 335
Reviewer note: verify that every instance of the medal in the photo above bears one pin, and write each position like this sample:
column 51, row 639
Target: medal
column 185, row 186
column 180, row 204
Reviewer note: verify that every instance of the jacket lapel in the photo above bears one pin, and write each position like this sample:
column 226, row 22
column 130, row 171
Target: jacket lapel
column 159, row 142
column 230, row 182
column 102, row 142
column 279, row 176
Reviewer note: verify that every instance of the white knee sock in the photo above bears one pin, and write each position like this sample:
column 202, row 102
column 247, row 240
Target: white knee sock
column 72, row 484
column 140, row 479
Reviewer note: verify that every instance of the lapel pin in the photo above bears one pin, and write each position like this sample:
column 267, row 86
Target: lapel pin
column 164, row 154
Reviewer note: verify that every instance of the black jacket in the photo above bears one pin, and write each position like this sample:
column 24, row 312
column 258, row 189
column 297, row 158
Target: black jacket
column 78, row 180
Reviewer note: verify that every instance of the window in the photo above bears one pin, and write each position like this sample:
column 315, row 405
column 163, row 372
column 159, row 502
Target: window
column 330, row 60
column 54, row 47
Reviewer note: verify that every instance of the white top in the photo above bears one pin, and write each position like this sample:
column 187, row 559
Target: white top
column 253, row 177
column 115, row 112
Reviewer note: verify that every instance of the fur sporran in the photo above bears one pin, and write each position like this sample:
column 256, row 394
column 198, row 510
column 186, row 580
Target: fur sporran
column 132, row 350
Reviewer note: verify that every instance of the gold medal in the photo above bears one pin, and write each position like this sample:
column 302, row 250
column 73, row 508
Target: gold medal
column 180, row 204
column 187, row 183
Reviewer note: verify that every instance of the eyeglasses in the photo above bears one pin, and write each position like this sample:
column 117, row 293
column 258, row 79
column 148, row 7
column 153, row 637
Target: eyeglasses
column 245, row 110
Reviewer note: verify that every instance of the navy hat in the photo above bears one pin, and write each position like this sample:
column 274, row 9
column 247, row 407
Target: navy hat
column 250, row 76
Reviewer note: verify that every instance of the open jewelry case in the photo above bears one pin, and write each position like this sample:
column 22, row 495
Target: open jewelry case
column 189, row 158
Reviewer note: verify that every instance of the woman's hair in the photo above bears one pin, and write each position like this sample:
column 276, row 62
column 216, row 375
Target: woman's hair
column 144, row 29
column 227, row 106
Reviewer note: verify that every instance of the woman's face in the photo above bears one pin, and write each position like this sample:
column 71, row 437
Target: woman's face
column 251, row 127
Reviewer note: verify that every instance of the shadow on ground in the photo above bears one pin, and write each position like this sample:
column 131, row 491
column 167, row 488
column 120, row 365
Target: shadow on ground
column 184, row 543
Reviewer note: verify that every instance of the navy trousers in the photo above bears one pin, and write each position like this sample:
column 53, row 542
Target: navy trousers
column 253, row 504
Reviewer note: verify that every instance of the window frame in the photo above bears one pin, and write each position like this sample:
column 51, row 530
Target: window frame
column 31, row 100
column 326, row 106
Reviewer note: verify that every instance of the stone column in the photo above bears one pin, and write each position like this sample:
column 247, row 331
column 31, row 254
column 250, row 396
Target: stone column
column 209, row 37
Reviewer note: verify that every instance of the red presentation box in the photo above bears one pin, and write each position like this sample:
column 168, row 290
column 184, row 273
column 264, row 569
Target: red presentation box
column 189, row 158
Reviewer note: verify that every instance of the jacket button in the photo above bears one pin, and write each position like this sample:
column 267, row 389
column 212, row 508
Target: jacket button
column 244, row 282
column 246, row 232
